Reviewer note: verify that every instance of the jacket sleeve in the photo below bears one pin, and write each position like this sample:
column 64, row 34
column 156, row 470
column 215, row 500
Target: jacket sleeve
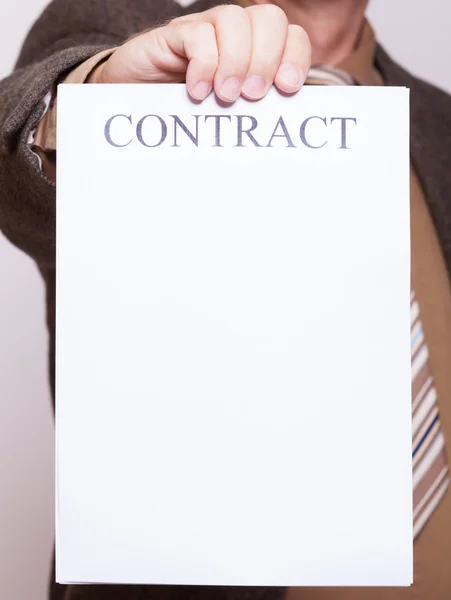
column 67, row 33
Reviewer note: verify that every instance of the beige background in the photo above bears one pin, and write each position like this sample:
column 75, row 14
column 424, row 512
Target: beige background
column 414, row 31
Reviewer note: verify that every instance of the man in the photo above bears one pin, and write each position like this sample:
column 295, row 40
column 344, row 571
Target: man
column 243, row 50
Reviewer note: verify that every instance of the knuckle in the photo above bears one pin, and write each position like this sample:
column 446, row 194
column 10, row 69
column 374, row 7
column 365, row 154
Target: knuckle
column 202, row 28
column 234, row 66
column 264, row 67
column 208, row 60
column 299, row 34
column 274, row 11
column 177, row 21
column 230, row 11
column 270, row 12
column 208, row 65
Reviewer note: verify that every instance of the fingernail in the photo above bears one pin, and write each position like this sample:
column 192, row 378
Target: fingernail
column 201, row 90
column 231, row 89
column 291, row 76
column 254, row 86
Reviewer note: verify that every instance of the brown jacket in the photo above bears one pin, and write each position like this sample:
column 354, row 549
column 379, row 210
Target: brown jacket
column 69, row 32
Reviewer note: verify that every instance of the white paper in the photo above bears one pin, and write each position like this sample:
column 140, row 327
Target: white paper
column 233, row 339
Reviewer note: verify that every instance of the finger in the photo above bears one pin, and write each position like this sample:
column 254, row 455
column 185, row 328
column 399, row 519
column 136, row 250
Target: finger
column 193, row 42
column 269, row 35
column 295, row 61
column 202, row 52
column 234, row 37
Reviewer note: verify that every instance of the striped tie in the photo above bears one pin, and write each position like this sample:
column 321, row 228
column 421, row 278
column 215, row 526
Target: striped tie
column 430, row 465
column 431, row 476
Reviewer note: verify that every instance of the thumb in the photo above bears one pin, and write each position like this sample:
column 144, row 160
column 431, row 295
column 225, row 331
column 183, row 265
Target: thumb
column 183, row 50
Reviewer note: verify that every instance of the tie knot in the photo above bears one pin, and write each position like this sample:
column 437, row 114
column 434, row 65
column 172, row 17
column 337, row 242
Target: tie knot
column 324, row 75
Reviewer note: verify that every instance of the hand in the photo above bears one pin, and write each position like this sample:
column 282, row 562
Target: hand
column 229, row 49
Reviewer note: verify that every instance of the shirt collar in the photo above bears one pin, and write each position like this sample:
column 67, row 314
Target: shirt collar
column 360, row 63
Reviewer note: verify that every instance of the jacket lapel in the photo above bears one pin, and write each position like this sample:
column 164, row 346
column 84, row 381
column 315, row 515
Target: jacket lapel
column 430, row 143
